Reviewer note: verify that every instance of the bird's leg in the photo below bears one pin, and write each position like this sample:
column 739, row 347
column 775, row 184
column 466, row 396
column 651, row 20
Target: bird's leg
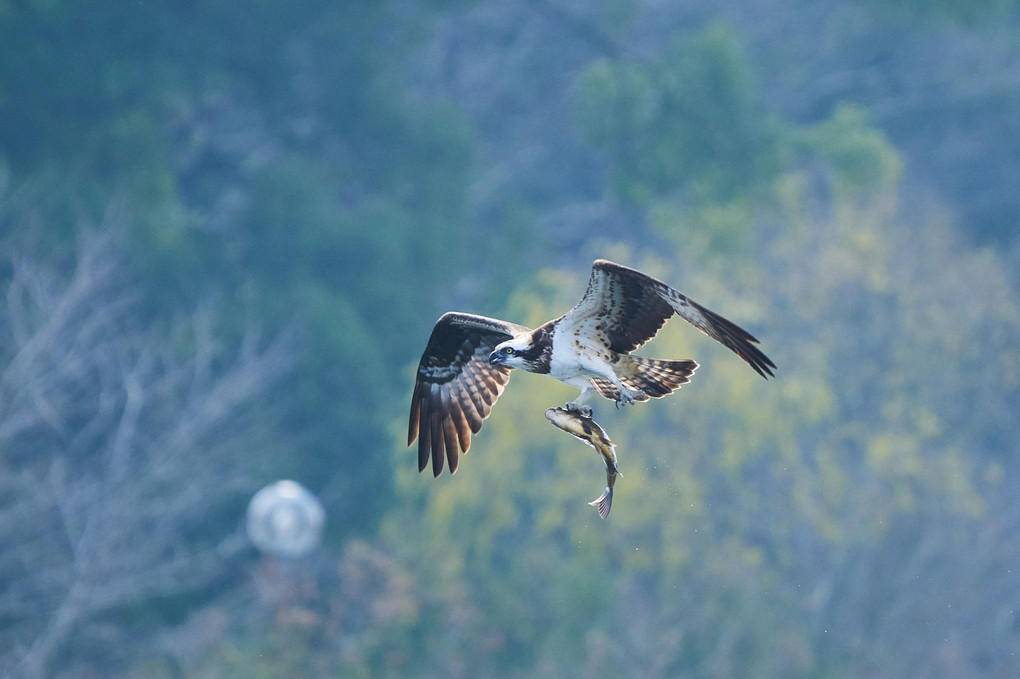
column 577, row 405
column 606, row 369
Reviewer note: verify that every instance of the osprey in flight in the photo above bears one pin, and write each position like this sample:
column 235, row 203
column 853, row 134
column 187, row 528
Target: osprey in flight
column 468, row 358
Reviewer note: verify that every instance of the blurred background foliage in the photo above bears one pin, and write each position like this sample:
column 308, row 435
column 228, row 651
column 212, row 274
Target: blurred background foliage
column 228, row 228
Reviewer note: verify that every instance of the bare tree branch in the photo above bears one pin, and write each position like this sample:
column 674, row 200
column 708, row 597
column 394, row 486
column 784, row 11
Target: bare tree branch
column 116, row 436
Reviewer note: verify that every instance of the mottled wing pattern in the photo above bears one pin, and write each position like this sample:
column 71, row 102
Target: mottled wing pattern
column 630, row 307
column 621, row 308
column 456, row 387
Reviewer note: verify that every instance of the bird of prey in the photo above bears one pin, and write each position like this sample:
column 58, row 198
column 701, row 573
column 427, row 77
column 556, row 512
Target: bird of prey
column 468, row 358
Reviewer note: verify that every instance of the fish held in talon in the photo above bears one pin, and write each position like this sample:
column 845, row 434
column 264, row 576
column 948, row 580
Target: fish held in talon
column 588, row 431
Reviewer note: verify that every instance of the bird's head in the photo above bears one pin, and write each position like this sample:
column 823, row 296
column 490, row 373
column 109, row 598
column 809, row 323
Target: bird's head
column 514, row 353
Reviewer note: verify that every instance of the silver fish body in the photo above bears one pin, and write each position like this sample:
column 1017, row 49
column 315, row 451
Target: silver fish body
column 588, row 431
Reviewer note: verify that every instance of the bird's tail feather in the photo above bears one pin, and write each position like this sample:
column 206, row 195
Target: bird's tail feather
column 653, row 376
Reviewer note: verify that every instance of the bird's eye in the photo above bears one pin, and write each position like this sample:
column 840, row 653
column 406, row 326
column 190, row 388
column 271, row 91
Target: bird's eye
column 508, row 351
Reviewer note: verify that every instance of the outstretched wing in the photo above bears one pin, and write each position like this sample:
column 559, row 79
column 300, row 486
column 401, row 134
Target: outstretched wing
column 456, row 387
column 625, row 308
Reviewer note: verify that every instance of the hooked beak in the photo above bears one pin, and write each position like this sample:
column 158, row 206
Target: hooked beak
column 495, row 358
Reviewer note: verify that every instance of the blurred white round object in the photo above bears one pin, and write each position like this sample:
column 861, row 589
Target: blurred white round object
column 285, row 519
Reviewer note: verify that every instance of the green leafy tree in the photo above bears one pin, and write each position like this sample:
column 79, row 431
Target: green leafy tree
column 688, row 122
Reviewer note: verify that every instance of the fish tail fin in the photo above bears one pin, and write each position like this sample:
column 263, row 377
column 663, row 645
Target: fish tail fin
column 653, row 376
column 603, row 502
